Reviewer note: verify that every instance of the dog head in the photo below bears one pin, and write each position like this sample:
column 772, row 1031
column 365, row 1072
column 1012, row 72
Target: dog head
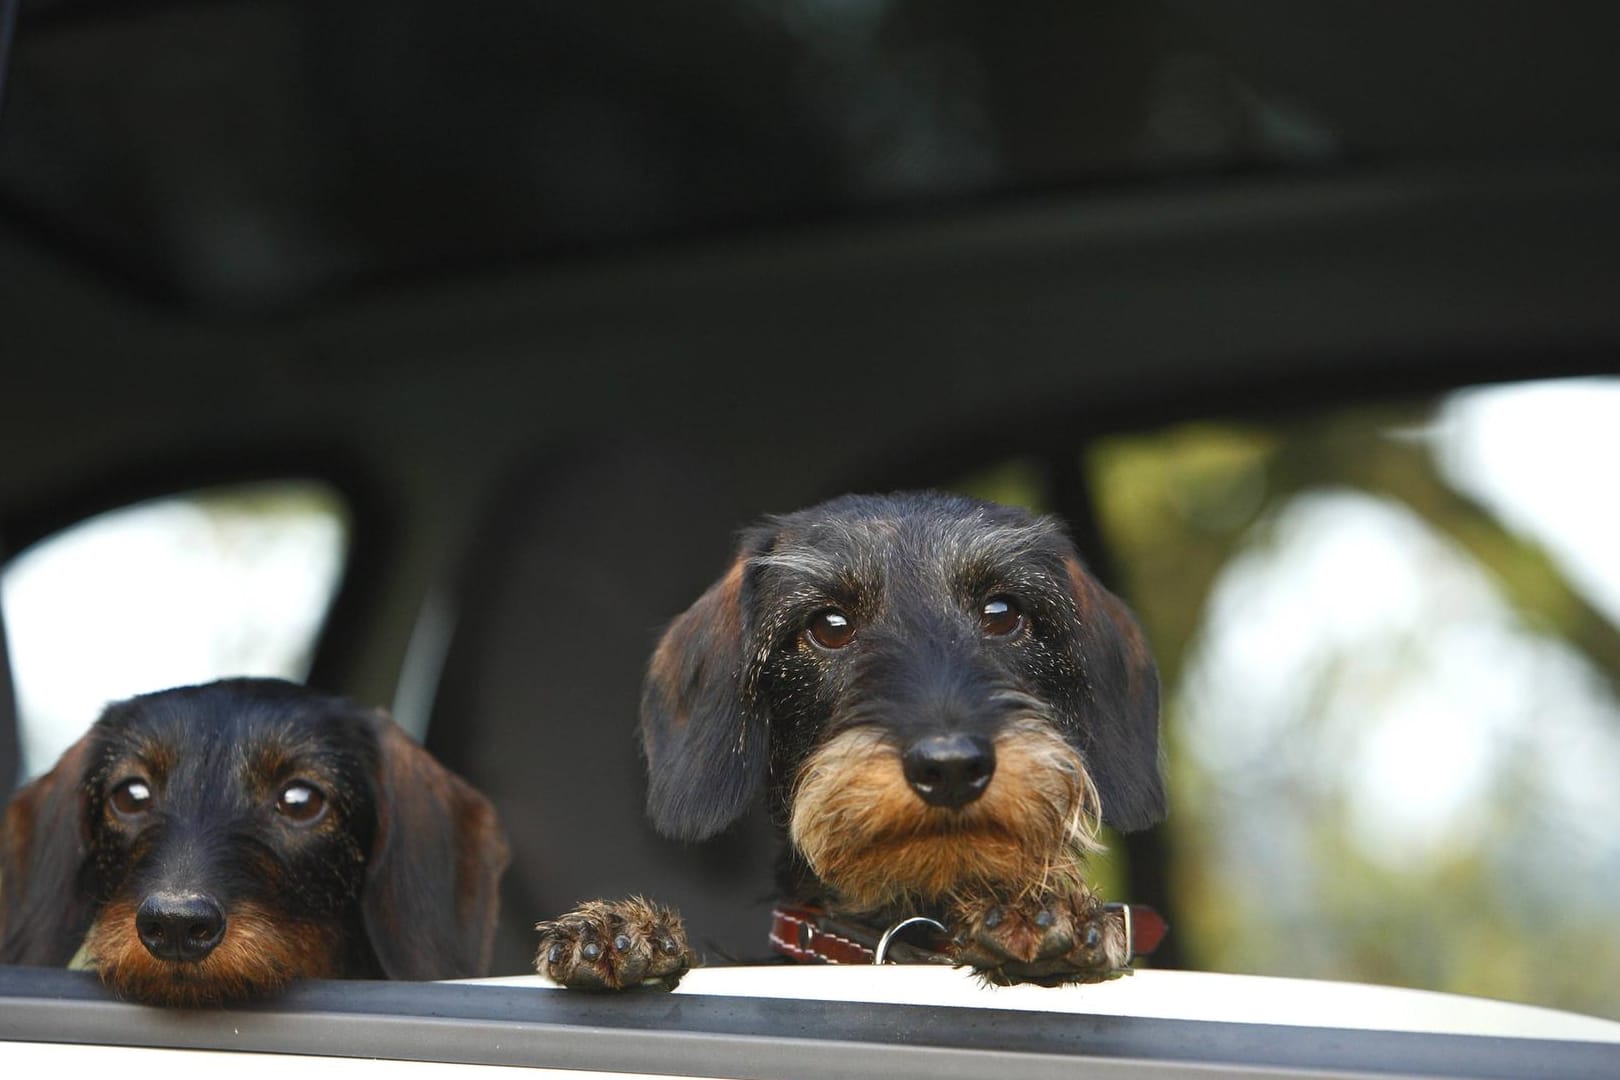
column 209, row 843
column 932, row 689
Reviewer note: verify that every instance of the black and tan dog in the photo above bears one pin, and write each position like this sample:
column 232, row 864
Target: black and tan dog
column 938, row 704
column 209, row 843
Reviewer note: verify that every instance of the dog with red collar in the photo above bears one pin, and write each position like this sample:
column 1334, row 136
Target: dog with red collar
column 939, row 705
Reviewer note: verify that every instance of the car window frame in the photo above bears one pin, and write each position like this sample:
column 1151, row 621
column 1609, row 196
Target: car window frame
column 711, row 1035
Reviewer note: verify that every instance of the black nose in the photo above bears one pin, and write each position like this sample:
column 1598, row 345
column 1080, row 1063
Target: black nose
column 179, row 926
column 949, row 770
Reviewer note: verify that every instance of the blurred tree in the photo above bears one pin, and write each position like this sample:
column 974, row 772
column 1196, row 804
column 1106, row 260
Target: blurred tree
column 1180, row 508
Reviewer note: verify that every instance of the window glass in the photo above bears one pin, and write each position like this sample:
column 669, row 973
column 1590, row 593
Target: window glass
column 1390, row 641
column 165, row 593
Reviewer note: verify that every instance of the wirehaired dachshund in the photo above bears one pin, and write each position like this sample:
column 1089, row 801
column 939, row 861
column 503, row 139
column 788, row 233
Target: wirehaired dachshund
column 209, row 843
column 937, row 704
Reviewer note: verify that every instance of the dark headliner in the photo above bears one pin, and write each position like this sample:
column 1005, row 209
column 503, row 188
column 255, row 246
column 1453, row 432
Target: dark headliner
column 254, row 155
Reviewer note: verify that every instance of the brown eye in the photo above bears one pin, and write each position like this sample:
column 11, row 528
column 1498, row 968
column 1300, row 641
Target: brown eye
column 1000, row 617
column 301, row 803
column 831, row 629
column 131, row 797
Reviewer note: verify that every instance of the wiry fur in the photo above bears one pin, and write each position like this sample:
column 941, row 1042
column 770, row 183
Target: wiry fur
column 395, row 878
column 260, row 953
column 859, row 826
column 742, row 706
column 615, row 945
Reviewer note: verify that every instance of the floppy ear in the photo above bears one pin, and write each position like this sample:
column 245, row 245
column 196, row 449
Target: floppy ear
column 44, row 907
column 432, row 883
column 1119, row 727
column 705, row 743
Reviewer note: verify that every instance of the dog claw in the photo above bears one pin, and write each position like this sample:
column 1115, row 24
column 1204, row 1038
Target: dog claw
column 646, row 947
column 1042, row 940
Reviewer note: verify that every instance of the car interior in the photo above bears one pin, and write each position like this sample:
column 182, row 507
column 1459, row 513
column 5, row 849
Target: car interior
column 526, row 309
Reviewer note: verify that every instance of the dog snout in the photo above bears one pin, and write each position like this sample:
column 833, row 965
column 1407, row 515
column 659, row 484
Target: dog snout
column 180, row 926
column 949, row 770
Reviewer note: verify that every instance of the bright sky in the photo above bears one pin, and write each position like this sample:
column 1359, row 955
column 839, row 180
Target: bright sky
column 162, row 594
column 1427, row 695
column 1542, row 456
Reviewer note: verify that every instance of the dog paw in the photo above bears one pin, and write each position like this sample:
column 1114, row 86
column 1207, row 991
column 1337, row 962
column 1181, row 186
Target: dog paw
column 1047, row 940
column 615, row 945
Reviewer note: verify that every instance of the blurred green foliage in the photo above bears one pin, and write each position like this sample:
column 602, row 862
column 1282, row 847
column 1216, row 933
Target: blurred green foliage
column 1178, row 507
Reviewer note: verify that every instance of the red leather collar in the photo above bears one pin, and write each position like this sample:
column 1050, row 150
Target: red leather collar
column 803, row 934
column 812, row 936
